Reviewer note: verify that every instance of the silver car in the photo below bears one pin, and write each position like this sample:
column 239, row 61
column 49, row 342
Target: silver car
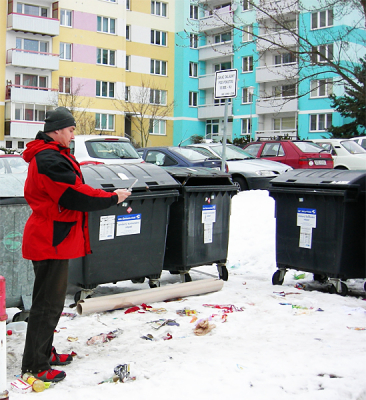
column 102, row 149
column 247, row 172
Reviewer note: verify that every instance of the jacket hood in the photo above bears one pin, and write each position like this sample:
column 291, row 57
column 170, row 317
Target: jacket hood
column 41, row 142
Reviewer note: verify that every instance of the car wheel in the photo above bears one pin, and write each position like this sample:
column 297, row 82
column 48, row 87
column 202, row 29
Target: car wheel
column 341, row 167
column 240, row 183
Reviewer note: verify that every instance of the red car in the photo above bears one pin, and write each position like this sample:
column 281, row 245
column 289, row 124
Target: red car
column 295, row 153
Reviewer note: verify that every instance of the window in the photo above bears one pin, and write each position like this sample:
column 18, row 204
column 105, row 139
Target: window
column 104, row 89
column 320, row 122
column 106, row 25
column 128, row 5
column 20, row 145
column 247, row 95
column 65, row 51
column 65, row 18
column 104, row 122
column 158, row 8
column 158, row 67
column 193, row 99
column 223, row 66
column 321, row 88
column 157, row 127
column 31, row 81
column 212, row 128
column 320, row 53
column 193, row 70
column 247, row 65
column 128, row 32
column 285, row 123
column 64, row 84
column 193, row 41
column 32, row 45
column 29, row 9
column 221, row 102
column 284, row 91
column 193, row 11
column 30, row 112
column 128, row 63
column 158, row 97
column 159, row 158
column 8, row 144
column 222, row 37
column 272, row 150
column 127, row 93
column 158, row 37
column 247, row 5
column 321, row 19
column 284, row 58
column 246, row 126
column 106, row 57
column 248, row 33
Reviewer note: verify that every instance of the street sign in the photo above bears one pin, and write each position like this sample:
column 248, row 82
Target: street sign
column 225, row 83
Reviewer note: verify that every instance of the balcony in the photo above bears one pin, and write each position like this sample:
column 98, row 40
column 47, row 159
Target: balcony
column 24, row 129
column 276, row 105
column 206, row 81
column 273, row 73
column 33, row 24
column 31, row 94
column 215, row 50
column 32, row 59
column 276, row 134
column 276, row 40
column 211, row 111
column 216, row 21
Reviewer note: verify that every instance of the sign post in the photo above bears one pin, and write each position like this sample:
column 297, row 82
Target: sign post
column 225, row 88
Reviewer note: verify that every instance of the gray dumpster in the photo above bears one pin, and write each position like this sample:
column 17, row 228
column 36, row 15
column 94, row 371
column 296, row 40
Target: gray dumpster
column 127, row 240
column 320, row 224
column 198, row 230
column 14, row 212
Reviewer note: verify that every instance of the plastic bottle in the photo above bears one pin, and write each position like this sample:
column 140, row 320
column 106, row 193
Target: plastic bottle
column 37, row 384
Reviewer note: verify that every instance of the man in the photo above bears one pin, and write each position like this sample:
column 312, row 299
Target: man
column 56, row 231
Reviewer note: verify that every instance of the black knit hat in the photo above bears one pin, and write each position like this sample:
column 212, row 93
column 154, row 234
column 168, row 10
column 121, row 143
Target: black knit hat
column 58, row 118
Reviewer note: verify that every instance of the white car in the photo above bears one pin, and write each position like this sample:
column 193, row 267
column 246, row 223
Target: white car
column 247, row 172
column 361, row 140
column 102, row 149
column 346, row 153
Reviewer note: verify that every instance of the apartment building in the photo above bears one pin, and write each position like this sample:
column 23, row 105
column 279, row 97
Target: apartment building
column 95, row 58
column 283, row 87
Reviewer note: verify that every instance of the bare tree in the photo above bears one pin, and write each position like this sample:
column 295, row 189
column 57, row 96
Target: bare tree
column 146, row 105
column 317, row 52
column 79, row 106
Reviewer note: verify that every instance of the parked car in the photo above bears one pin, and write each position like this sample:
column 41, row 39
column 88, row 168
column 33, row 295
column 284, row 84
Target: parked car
column 178, row 157
column 247, row 172
column 346, row 153
column 12, row 164
column 361, row 140
column 295, row 153
column 101, row 149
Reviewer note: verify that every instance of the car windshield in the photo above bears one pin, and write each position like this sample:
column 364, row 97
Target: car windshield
column 308, row 147
column 353, row 147
column 12, row 165
column 233, row 153
column 190, row 154
column 108, row 149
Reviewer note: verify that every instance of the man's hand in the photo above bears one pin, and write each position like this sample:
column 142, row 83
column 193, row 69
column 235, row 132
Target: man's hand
column 122, row 194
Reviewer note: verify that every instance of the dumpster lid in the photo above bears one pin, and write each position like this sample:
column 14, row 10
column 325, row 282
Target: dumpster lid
column 200, row 175
column 110, row 177
column 321, row 178
column 12, row 185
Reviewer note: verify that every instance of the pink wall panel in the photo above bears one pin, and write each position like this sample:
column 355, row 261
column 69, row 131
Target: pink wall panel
column 85, row 21
column 86, row 86
column 84, row 53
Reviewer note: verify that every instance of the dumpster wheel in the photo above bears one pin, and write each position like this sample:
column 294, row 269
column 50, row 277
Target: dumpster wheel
column 223, row 272
column 138, row 280
column 83, row 294
column 278, row 277
column 343, row 289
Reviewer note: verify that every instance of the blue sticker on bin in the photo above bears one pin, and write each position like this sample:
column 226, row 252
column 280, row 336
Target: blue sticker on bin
column 128, row 224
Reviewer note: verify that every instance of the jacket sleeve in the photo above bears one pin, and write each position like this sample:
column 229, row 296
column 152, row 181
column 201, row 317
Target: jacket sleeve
column 66, row 188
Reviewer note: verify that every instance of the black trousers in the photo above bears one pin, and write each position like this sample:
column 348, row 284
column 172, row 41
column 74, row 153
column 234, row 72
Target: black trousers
column 48, row 300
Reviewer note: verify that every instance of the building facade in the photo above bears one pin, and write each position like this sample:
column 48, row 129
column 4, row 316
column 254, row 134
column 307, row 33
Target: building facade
column 146, row 69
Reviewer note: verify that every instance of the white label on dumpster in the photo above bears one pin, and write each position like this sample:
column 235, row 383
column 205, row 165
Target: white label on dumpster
column 208, row 214
column 207, row 233
column 305, row 237
column 128, row 224
column 306, row 217
column 106, row 227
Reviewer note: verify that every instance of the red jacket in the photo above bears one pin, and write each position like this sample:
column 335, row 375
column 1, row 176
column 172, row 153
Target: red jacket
column 59, row 199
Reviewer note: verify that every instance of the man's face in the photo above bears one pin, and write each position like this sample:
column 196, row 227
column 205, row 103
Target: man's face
column 65, row 135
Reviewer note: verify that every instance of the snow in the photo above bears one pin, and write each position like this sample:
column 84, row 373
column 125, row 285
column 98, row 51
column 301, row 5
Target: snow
column 267, row 350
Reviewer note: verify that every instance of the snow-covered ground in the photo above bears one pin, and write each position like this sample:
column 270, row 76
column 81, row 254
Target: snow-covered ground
column 280, row 342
